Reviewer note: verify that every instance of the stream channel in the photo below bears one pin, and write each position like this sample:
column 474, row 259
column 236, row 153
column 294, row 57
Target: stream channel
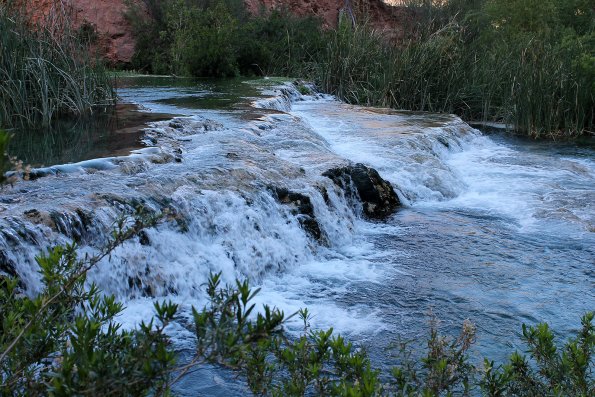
column 495, row 229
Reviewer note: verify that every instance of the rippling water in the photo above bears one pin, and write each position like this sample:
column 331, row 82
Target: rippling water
column 494, row 229
column 497, row 230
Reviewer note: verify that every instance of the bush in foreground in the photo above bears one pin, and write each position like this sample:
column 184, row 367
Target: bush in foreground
column 66, row 341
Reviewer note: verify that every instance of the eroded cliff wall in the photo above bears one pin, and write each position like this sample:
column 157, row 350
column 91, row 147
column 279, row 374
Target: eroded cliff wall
column 105, row 18
column 394, row 21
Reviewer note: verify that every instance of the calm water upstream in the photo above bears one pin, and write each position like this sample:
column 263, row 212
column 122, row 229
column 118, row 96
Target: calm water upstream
column 494, row 229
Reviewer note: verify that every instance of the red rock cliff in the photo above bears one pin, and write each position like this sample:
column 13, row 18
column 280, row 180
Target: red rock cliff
column 115, row 39
column 107, row 17
column 396, row 23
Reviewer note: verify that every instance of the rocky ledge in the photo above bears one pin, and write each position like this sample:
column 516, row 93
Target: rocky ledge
column 302, row 208
column 377, row 196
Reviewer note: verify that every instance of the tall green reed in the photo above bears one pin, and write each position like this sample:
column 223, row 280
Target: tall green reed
column 460, row 62
column 47, row 70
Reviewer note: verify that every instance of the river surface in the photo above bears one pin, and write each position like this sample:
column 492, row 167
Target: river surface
column 494, row 229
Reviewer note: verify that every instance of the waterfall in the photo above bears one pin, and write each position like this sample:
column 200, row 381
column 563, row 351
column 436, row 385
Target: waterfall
column 274, row 190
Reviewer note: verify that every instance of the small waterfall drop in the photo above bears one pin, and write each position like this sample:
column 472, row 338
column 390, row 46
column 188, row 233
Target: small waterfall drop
column 497, row 231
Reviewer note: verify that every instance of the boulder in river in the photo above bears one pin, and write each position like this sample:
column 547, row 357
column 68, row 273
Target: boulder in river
column 304, row 210
column 377, row 196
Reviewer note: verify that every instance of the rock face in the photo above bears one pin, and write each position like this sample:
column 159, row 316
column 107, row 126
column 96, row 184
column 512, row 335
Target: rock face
column 377, row 196
column 395, row 23
column 115, row 40
column 302, row 208
column 104, row 18
column 7, row 266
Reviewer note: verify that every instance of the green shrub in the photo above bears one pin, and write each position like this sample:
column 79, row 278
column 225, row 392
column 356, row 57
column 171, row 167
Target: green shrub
column 281, row 44
column 66, row 341
column 152, row 40
column 203, row 40
column 217, row 38
column 549, row 371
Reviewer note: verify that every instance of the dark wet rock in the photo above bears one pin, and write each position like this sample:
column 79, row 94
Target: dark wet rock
column 33, row 213
column 443, row 141
column 301, row 206
column 131, row 205
column 86, row 218
column 377, row 196
column 7, row 266
column 9, row 200
column 70, row 225
column 194, row 125
column 17, row 231
column 135, row 283
column 40, row 218
column 324, row 194
column 143, row 238
column 75, row 225
column 178, row 155
column 121, row 204
column 177, row 124
column 162, row 158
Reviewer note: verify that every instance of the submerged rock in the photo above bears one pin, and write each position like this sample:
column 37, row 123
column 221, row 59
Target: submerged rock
column 304, row 210
column 377, row 196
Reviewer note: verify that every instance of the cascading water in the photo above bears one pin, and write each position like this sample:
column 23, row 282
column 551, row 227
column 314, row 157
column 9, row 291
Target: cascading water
column 496, row 231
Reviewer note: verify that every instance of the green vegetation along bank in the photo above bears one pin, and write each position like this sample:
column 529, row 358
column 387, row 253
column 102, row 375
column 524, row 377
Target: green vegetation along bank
column 47, row 71
column 526, row 63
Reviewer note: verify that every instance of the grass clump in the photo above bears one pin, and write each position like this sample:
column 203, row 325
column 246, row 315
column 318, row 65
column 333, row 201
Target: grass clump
column 527, row 64
column 5, row 163
column 46, row 70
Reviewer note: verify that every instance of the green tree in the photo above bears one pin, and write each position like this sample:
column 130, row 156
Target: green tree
column 549, row 371
column 204, row 40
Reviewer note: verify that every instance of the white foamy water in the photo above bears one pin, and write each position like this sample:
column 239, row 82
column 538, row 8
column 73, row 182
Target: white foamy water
column 407, row 148
column 496, row 230
column 439, row 161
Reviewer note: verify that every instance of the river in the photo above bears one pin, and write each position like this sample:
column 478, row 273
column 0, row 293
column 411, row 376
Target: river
column 495, row 229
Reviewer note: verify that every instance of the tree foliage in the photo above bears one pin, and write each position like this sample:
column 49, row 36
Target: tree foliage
column 218, row 38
